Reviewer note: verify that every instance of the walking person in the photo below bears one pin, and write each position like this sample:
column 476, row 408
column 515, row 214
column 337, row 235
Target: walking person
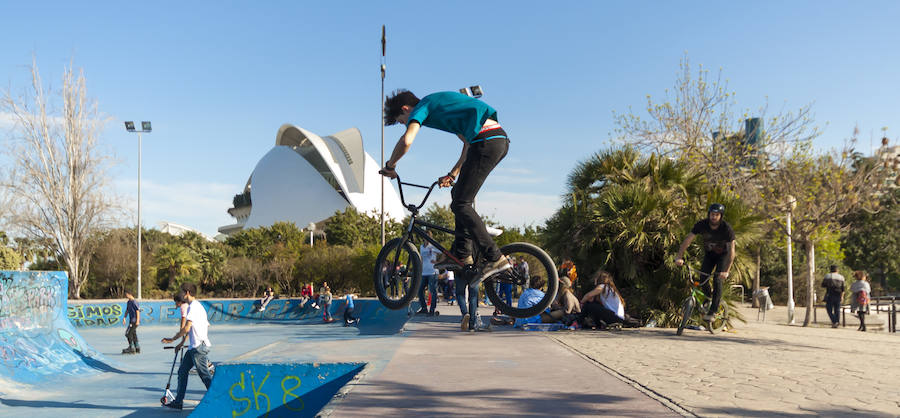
column 833, row 283
column 133, row 315
column 860, row 292
column 196, row 327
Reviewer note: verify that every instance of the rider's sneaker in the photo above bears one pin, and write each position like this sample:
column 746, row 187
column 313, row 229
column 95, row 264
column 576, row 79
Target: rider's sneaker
column 490, row 268
column 708, row 317
column 464, row 324
column 447, row 263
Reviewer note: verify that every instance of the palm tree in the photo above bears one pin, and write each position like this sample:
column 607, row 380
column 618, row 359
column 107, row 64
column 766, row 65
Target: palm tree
column 212, row 265
column 174, row 260
column 627, row 213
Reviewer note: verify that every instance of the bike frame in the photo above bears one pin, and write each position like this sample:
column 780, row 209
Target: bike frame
column 415, row 225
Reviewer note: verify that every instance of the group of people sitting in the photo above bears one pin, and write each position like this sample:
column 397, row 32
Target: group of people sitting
column 600, row 308
column 321, row 300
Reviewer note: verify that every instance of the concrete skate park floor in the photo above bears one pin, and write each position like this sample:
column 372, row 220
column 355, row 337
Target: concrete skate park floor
column 429, row 369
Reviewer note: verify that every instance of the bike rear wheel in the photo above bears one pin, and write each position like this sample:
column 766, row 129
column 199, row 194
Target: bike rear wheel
column 687, row 308
column 720, row 318
column 398, row 273
column 516, row 281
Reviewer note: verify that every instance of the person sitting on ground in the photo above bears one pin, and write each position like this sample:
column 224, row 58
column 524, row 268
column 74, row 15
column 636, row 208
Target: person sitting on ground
column 604, row 305
column 530, row 297
column 859, row 300
column 349, row 318
column 833, row 283
column 566, row 307
column 268, row 295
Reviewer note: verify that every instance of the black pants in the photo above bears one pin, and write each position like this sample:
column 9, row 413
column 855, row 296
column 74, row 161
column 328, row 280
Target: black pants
column 833, row 307
column 348, row 316
column 713, row 261
column 481, row 158
column 598, row 313
column 131, row 335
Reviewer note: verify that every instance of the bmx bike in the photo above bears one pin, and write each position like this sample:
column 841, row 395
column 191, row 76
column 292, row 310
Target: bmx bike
column 696, row 306
column 398, row 268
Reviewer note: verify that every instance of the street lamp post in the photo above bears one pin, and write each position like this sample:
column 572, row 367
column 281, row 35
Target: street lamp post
column 145, row 127
column 792, row 203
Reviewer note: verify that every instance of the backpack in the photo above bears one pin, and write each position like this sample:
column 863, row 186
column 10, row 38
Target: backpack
column 862, row 298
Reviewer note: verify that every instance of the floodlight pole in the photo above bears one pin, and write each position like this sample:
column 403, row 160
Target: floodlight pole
column 140, row 148
column 383, row 43
column 145, row 127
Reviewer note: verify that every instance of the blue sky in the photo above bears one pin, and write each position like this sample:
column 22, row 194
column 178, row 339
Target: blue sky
column 217, row 79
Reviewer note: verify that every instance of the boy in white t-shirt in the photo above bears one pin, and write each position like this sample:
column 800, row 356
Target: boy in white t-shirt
column 196, row 327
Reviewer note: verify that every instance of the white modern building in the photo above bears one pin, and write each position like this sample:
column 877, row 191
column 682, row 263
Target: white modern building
column 178, row 230
column 306, row 178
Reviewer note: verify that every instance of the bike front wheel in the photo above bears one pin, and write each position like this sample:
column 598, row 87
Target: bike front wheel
column 502, row 287
column 398, row 273
column 687, row 308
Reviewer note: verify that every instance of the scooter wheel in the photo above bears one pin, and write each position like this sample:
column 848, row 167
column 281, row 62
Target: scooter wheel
column 162, row 400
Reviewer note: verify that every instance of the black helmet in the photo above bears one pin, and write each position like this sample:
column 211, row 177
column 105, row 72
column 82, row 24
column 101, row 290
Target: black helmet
column 716, row 207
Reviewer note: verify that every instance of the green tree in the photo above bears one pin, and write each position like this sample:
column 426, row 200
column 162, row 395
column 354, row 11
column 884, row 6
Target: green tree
column 212, row 266
column 353, row 228
column 872, row 243
column 9, row 259
column 174, row 262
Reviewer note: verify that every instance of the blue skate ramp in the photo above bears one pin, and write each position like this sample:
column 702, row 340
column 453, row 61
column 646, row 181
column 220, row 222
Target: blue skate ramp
column 274, row 390
column 375, row 318
column 37, row 341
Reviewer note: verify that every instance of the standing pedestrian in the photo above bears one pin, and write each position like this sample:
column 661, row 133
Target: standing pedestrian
column 860, row 291
column 833, row 283
column 429, row 277
column 325, row 301
column 133, row 315
column 196, row 327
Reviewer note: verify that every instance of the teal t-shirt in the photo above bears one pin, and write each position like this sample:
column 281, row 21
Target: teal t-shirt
column 453, row 112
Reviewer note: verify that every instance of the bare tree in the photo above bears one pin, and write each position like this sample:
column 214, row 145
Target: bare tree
column 696, row 122
column 57, row 182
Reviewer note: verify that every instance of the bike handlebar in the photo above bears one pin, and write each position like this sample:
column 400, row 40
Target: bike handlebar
column 410, row 207
column 702, row 274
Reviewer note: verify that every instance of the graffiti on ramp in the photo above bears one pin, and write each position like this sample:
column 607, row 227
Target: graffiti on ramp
column 274, row 390
column 37, row 341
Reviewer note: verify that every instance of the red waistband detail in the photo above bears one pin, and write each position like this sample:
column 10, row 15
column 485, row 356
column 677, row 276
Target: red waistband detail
column 490, row 128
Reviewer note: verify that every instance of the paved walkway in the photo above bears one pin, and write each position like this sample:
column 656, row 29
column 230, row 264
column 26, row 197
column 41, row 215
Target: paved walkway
column 438, row 370
column 759, row 369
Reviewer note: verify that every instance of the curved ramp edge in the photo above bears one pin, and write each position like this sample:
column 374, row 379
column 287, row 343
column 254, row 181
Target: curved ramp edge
column 274, row 390
column 37, row 342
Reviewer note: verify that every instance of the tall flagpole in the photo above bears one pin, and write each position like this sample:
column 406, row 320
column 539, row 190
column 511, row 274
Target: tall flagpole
column 383, row 43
